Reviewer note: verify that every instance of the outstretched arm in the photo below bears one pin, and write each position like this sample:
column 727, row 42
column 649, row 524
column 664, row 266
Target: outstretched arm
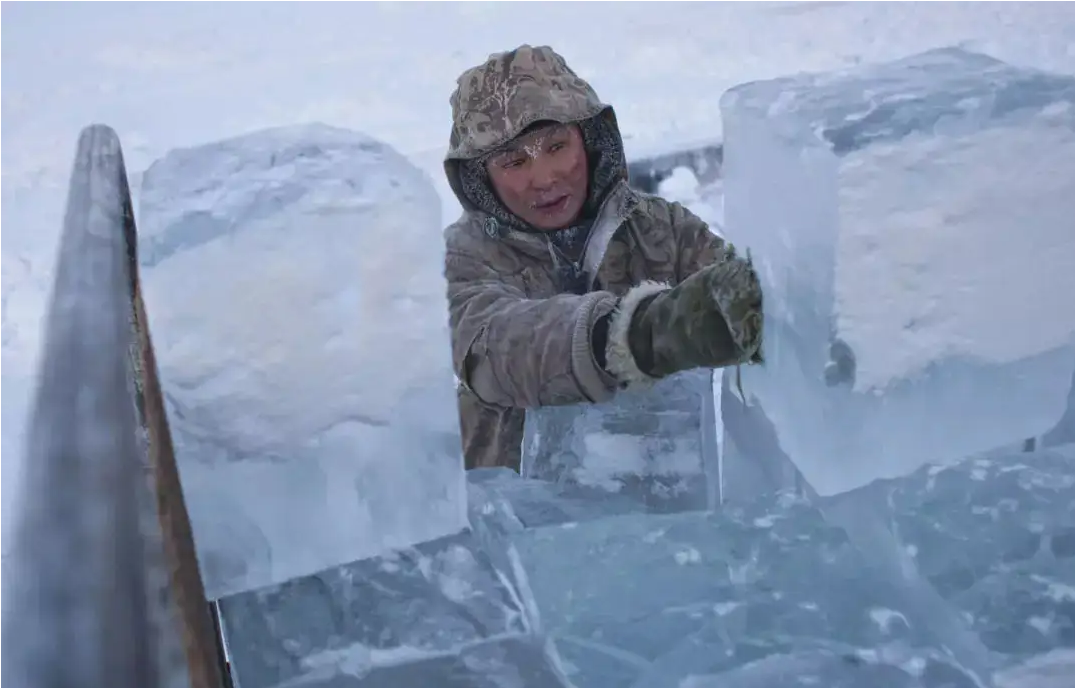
column 513, row 351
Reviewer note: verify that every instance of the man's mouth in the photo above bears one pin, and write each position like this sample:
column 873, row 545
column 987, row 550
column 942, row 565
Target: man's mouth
column 553, row 206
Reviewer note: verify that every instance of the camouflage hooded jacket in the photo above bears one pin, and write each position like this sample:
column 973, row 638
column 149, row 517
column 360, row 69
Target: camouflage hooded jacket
column 521, row 335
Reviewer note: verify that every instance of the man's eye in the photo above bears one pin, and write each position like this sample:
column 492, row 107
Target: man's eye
column 512, row 163
column 557, row 146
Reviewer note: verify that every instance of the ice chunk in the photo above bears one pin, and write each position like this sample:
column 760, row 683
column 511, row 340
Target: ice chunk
column 752, row 461
column 656, row 598
column 649, row 600
column 862, row 668
column 294, row 281
column 915, row 241
column 1064, row 431
column 1050, row 670
column 996, row 537
column 661, row 597
column 441, row 613
column 509, row 503
column 656, row 448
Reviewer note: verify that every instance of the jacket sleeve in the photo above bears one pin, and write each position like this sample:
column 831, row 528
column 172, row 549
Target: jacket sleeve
column 512, row 351
column 697, row 245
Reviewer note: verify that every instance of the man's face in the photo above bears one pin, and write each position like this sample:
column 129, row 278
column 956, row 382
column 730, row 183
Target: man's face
column 543, row 177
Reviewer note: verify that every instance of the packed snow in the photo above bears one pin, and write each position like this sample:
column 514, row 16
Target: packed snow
column 301, row 338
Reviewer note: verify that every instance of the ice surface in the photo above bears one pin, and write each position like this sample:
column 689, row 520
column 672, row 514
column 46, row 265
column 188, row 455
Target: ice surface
column 293, row 279
column 680, row 594
column 915, row 241
column 655, row 447
column 1064, row 430
column 650, row 600
column 1050, row 670
column 752, row 461
column 441, row 613
column 995, row 537
column 735, row 597
column 887, row 667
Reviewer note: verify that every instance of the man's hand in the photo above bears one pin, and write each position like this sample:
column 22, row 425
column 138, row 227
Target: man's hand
column 710, row 320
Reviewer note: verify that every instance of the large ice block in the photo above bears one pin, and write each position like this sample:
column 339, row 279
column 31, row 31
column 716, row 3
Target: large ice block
column 887, row 667
column 661, row 597
column 438, row 614
column 996, row 537
column 752, row 460
column 913, row 224
column 1064, row 431
column 650, row 600
column 655, row 448
column 294, row 281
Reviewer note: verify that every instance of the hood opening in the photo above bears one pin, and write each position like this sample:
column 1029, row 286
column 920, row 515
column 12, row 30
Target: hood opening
column 607, row 163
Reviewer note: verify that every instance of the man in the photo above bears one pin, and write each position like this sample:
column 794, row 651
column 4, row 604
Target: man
column 564, row 284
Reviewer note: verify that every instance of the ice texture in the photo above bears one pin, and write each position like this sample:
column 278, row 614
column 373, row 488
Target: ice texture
column 545, row 591
column 653, row 600
column 1064, row 431
column 654, row 447
column 995, row 537
column 913, row 230
column 294, row 280
column 439, row 614
column 752, row 461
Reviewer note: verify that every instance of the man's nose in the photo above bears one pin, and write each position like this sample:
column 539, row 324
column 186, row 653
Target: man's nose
column 543, row 172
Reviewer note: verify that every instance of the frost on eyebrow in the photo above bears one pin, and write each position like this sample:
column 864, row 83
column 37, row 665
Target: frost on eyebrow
column 532, row 146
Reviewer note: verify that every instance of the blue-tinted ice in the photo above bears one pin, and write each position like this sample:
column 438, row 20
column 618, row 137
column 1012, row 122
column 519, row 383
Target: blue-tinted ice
column 294, row 279
column 649, row 450
column 623, row 566
column 914, row 239
column 442, row 613
column 696, row 598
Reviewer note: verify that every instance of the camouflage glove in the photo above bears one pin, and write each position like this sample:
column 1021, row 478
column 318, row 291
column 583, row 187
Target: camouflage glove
column 710, row 320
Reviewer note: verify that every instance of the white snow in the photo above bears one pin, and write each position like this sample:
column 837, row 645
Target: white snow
column 179, row 75
column 707, row 202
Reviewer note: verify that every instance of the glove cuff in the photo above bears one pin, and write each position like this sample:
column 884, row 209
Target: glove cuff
column 621, row 361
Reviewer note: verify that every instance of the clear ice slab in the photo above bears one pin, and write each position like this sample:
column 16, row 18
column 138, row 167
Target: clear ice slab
column 914, row 239
column 653, row 599
column 996, row 537
column 529, row 598
column 295, row 284
column 647, row 450
column 1064, row 430
column 439, row 614
column 637, row 599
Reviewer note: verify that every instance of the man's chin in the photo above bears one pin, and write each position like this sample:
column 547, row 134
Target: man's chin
column 556, row 221
column 549, row 225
